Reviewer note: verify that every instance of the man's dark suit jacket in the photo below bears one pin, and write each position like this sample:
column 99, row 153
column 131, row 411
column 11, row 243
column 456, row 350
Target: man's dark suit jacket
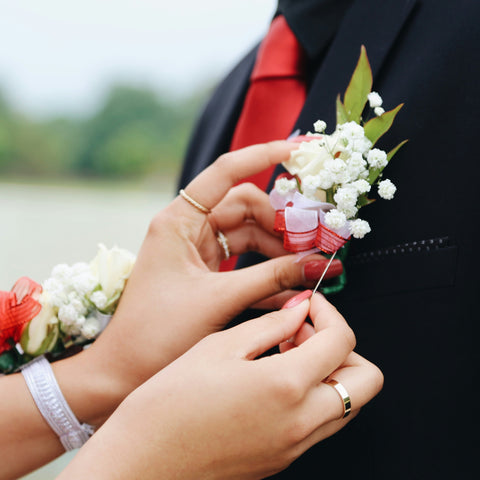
column 411, row 283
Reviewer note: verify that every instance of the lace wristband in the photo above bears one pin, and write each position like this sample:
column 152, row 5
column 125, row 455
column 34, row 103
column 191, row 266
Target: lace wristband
column 54, row 408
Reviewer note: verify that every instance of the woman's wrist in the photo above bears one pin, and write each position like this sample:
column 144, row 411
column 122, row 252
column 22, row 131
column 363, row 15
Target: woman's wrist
column 91, row 391
column 51, row 403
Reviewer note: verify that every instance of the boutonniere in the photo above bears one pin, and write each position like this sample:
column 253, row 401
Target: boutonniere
column 332, row 176
column 68, row 310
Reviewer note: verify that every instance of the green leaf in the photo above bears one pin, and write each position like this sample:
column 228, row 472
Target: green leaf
column 373, row 175
column 337, row 284
column 329, row 195
column 377, row 126
column 375, row 172
column 360, row 86
column 342, row 116
column 8, row 362
column 393, row 151
column 363, row 201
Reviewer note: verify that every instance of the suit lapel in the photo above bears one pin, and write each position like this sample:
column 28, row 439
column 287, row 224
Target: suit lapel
column 373, row 23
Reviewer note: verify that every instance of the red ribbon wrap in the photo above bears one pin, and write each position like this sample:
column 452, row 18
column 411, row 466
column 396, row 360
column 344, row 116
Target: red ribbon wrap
column 328, row 241
column 306, row 233
column 17, row 308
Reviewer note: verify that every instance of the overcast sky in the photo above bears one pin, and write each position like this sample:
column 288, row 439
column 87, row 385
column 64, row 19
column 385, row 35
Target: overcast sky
column 60, row 55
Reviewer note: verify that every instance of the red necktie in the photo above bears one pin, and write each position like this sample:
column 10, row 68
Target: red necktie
column 274, row 99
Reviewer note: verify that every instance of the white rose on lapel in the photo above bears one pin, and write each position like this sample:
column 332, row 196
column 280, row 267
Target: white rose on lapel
column 112, row 267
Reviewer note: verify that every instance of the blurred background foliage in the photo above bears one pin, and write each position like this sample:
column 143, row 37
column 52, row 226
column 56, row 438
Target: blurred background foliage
column 133, row 134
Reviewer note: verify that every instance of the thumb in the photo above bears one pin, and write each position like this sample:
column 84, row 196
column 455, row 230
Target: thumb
column 270, row 277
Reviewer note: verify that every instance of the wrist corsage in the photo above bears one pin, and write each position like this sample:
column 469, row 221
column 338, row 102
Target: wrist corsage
column 68, row 310
column 330, row 176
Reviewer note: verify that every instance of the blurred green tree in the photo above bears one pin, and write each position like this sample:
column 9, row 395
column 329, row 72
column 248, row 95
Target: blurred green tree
column 134, row 133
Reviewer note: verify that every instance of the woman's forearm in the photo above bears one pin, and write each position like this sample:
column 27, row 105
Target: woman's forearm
column 26, row 440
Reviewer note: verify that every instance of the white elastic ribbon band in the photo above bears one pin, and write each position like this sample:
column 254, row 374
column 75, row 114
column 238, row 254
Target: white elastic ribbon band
column 54, row 408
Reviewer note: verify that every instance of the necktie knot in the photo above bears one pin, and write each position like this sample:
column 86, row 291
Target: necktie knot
column 273, row 104
column 280, row 54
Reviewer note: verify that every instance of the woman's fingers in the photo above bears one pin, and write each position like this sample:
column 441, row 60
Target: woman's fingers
column 261, row 281
column 304, row 333
column 360, row 378
column 254, row 337
column 264, row 279
column 326, row 430
column 211, row 185
column 246, row 238
column 243, row 203
column 323, row 314
column 325, row 351
column 246, row 218
column 275, row 302
column 251, row 238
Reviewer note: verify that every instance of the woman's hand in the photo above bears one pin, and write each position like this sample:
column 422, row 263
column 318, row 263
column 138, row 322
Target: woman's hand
column 220, row 412
column 175, row 296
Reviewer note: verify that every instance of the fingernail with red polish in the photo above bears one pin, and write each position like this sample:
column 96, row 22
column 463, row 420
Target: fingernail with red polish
column 313, row 270
column 297, row 299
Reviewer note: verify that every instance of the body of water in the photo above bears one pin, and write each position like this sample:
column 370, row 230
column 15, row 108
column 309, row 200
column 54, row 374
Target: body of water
column 43, row 225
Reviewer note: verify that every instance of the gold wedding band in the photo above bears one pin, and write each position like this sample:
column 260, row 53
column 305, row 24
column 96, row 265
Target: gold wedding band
column 193, row 202
column 223, row 242
column 342, row 391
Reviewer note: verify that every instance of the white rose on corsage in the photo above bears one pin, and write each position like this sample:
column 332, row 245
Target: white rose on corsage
column 112, row 269
column 42, row 332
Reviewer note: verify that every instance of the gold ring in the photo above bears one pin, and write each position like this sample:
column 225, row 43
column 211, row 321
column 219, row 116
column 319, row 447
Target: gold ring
column 193, row 202
column 223, row 242
column 342, row 391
